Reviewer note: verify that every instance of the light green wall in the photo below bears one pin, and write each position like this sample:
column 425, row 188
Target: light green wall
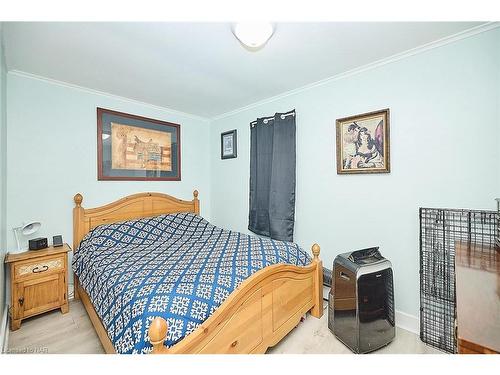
column 444, row 153
column 3, row 156
column 52, row 155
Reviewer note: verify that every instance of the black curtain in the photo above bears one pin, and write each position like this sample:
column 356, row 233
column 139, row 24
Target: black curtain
column 272, row 176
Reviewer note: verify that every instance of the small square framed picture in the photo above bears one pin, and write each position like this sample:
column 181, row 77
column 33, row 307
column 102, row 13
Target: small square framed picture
column 228, row 144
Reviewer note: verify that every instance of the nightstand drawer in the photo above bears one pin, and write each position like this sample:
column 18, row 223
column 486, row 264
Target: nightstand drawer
column 40, row 267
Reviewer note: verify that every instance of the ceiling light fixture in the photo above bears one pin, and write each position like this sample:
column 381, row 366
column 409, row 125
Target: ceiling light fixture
column 253, row 34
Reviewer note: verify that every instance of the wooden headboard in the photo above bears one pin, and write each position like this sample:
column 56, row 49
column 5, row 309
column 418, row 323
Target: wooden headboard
column 131, row 207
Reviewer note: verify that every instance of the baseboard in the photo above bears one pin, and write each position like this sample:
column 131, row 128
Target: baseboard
column 408, row 322
column 4, row 330
column 71, row 292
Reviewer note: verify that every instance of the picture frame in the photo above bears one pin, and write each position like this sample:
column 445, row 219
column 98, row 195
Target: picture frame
column 363, row 143
column 136, row 148
column 229, row 144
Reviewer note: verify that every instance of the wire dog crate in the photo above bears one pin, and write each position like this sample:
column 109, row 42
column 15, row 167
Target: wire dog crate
column 440, row 230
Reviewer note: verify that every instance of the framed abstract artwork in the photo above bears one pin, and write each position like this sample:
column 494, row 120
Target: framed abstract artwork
column 363, row 144
column 228, row 145
column 132, row 147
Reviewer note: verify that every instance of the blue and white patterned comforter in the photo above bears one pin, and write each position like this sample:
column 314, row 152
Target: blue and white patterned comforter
column 178, row 266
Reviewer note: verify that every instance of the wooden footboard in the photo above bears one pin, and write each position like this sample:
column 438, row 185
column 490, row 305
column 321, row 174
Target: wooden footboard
column 257, row 315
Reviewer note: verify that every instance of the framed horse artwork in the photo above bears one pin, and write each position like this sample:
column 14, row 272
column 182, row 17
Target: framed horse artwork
column 131, row 147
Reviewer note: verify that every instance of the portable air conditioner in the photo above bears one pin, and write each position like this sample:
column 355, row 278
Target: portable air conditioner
column 361, row 300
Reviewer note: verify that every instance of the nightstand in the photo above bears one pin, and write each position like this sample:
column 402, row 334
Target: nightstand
column 38, row 282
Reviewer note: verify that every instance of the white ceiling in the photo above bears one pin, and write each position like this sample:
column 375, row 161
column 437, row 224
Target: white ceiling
column 200, row 68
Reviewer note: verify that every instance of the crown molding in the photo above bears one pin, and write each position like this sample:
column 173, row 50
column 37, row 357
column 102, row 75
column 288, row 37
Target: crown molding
column 21, row 73
column 388, row 60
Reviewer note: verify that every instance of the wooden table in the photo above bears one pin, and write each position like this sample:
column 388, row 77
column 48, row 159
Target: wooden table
column 477, row 270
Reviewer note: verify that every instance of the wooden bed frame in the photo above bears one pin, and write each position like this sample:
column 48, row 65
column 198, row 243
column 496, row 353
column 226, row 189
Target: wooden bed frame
column 255, row 316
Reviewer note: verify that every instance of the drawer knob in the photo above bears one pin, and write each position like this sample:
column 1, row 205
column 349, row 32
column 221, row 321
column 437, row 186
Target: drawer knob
column 43, row 269
column 234, row 343
column 21, row 301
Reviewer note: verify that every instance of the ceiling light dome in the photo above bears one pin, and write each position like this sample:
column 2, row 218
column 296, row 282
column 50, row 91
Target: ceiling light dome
column 253, row 34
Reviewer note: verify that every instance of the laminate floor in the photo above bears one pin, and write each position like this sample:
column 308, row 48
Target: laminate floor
column 73, row 333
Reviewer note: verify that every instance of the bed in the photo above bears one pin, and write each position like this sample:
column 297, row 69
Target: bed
column 257, row 296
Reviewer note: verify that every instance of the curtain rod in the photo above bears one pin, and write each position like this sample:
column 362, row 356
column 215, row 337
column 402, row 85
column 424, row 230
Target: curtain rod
column 267, row 119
